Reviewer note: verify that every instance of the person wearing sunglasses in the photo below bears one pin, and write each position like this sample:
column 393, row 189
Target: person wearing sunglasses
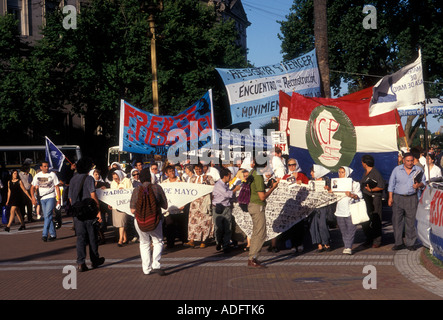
column 135, row 177
column 294, row 172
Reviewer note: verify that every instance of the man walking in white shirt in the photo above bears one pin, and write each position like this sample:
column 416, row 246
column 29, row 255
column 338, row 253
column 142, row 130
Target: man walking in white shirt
column 46, row 184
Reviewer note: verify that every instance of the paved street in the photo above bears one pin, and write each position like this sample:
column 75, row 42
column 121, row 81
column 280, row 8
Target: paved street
column 32, row 269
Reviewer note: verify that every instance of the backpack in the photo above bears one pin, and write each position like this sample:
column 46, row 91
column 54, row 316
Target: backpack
column 244, row 195
column 146, row 211
column 84, row 209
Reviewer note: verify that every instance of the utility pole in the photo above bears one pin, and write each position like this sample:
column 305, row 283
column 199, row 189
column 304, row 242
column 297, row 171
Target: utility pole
column 152, row 7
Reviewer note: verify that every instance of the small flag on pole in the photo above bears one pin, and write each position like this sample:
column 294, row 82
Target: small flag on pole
column 54, row 156
column 403, row 88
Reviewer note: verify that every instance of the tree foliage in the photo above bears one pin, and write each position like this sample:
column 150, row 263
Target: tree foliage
column 361, row 56
column 88, row 70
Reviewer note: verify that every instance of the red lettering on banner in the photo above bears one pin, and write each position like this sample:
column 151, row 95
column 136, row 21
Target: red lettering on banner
column 203, row 123
column 436, row 209
column 141, row 119
column 167, row 123
column 156, row 123
column 129, row 113
column 330, row 128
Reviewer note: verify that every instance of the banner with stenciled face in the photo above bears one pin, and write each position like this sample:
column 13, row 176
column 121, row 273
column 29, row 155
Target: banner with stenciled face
column 338, row 132
column 286, row 206
column 254, row 92
column 147, row 133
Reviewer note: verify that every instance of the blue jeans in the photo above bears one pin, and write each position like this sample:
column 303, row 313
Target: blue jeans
column 48, row 206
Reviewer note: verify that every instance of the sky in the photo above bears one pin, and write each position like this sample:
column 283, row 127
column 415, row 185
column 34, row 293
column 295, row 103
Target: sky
column 264, row 45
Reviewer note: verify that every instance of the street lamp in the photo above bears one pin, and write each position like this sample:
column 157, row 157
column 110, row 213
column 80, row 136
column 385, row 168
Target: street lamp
column 152, row 7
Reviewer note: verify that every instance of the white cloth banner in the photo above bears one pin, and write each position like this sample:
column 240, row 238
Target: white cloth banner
column 178, row 194
column 253, row 92
column 422, row 216
column 116, row 198
column 433, row 106
column 436, row 223
column 287, row 205
column 403, row 88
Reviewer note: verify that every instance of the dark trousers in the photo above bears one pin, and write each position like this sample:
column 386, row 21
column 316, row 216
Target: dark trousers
column 87, row 234
column 223, row 226
column 373, row 228
column 404, row 210
column 176, row 228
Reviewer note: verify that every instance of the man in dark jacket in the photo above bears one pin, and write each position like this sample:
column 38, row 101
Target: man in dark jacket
column 86, row 228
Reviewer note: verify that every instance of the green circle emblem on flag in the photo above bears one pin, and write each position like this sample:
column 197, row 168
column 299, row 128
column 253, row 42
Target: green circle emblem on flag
column 331, row 137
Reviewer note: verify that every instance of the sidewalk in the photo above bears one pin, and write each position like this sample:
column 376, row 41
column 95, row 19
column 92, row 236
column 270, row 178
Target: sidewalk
column 34, row 270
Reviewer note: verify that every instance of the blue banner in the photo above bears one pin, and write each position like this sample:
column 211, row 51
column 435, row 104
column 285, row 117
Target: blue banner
column 146, row 133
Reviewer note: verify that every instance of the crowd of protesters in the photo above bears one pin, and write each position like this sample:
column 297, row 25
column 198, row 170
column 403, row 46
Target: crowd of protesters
column 35, row 193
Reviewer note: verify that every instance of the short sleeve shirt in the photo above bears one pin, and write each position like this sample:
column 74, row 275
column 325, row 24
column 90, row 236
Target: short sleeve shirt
column 258, row 185
column 46, row 183
column 75, row 187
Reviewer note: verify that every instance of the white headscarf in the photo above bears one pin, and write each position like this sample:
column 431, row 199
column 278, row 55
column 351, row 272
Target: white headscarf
column 91, row 173
column 132, row 177
column 119, row 166
column 120, row 174
column 297, row 166
column 246, row 164
column 319, row 171
column 348, row 171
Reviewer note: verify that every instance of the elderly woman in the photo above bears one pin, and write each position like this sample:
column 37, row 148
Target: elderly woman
column 318, row 226
column 119, row 218
column 342, row 212
column 200, row 226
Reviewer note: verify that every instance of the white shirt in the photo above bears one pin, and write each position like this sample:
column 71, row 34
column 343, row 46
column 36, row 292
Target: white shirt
column 435, row 172
column 46, row 183
column 278, row 166
column 342, row 209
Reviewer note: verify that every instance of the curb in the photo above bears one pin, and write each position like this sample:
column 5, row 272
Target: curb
column 409, row 265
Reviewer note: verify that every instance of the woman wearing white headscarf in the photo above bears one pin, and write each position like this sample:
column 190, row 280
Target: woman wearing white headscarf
column 319, row 227
column 342, row 212
column 135, row 178
column 119, row 218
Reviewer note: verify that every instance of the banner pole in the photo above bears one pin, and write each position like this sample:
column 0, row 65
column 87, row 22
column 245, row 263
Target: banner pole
column 212, row 116
column 122, row 117
column 426, row 140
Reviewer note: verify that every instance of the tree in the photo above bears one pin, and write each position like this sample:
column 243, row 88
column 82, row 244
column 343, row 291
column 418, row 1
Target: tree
column 87, row 70
column 359, row 56
column 321, row 44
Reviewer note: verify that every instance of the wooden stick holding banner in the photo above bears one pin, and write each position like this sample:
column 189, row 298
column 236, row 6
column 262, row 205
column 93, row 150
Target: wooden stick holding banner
column 426, row 140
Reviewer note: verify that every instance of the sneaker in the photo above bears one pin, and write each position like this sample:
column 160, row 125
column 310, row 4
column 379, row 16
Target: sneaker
column 253, row 263
column 51, row 238
column 347, row 251
column 45, row 239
